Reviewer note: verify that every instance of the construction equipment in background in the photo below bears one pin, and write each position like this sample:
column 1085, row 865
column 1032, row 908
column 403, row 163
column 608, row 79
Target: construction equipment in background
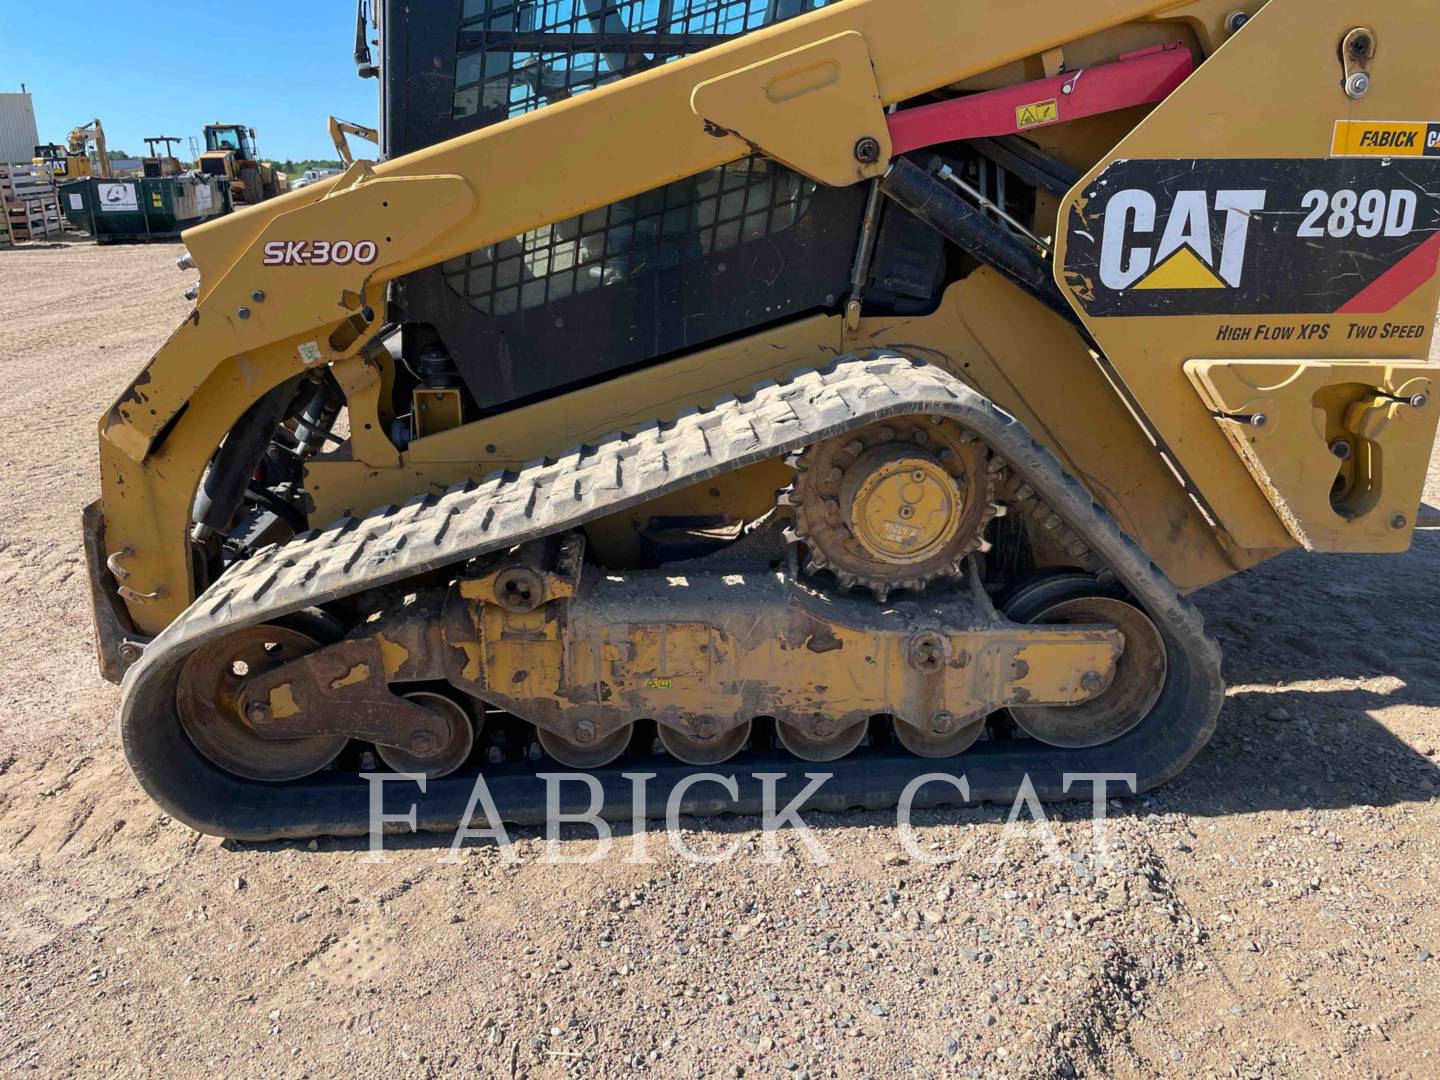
column 865, row 385
column 231, row 152
column 157, row 164
column 73, row 160
column 339, row 129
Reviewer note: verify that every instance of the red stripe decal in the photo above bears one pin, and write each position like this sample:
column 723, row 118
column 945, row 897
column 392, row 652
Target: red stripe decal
column 1397, row 283
column 1135, row 79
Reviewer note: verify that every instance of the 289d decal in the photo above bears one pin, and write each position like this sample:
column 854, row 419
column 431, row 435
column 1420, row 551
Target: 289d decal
column 1253, row 237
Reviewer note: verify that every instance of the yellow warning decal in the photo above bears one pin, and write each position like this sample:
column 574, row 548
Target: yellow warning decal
column 659, row 684
column 1385, row 138
column 1041, row 112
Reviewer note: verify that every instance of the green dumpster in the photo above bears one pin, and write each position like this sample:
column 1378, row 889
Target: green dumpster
column 137, row 210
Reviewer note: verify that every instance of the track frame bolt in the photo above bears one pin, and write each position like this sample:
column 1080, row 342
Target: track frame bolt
column 257, row 713
column 585, row 731
column 1418, row 401
column 822, row 727
column 1092, row 682
column 704, row 727
column 1341, row 449
column 1399, row 521
column 131, row 651
column 422, row 742
column 867, row 150
column 1235, row 21
column 242, row 313
column 943, row 722
column 928, row 652
column 258, row 296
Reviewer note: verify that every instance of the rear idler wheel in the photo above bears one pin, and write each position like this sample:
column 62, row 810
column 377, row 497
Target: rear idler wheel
column 1140, row 672
column 444, row 756
column 694, row 748
column 820, row 738
column 588, row 750
column 946, row 737
column 208, row 694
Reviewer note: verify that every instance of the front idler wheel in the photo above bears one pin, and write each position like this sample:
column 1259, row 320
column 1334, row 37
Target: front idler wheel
column 1140, row 671
column 208, row 695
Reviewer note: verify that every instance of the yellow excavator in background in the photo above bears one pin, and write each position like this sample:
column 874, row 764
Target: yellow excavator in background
column 339, row 129
column 827, row 394
column 73, row 161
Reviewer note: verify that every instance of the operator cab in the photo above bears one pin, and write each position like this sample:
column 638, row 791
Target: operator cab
column 230, row 138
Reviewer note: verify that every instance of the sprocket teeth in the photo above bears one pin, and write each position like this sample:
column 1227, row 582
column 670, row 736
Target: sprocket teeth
column 984, row 546
column 791, row 536
column 999, row 510
column 784, row 499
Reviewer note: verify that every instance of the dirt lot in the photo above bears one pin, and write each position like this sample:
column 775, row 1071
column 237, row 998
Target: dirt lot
column 1271, row 913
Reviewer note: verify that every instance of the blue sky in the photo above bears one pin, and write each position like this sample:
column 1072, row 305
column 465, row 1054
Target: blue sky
column 152, row 70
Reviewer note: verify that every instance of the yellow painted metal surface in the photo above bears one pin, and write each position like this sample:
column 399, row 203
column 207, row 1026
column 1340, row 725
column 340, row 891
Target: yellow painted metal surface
column 299, row 281
column 1273, row 93
column 1339, row 448
column 778, row 103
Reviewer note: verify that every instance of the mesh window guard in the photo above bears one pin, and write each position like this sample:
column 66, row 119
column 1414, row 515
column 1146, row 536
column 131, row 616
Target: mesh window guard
column 516, row 57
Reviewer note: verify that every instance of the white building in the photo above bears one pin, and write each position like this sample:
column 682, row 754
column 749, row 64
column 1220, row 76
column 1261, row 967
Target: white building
column 18, row 134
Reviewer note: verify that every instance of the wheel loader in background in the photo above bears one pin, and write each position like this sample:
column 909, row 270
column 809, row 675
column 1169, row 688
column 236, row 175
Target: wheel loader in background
column 748, row 387
column 231, row 152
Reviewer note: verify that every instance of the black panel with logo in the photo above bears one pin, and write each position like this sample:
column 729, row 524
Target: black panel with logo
column 1253, row 237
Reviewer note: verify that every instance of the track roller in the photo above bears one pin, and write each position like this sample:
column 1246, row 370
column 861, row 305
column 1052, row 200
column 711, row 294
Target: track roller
column 441, row 760
column 821, row 738
column 595, row 753
column 694, row 749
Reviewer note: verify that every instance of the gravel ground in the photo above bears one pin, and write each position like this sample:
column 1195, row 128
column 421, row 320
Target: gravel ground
column 1271, row 913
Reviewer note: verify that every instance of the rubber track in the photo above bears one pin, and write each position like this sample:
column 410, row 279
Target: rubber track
column 624, row 470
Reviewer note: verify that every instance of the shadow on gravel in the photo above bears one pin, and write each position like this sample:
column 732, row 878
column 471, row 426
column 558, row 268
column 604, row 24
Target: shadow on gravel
column 1314, row 646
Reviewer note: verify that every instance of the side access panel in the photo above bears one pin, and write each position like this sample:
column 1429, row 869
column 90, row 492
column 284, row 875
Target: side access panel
column 1265, row 213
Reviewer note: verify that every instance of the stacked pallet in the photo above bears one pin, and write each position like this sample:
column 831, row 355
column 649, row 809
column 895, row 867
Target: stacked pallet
column 29, row 203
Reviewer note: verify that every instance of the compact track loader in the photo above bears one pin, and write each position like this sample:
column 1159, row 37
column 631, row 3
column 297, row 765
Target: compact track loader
column 752, row 386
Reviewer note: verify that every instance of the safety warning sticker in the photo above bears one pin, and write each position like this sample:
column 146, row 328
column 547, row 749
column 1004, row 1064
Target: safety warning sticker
column 1040, row 112
column 1253, row 237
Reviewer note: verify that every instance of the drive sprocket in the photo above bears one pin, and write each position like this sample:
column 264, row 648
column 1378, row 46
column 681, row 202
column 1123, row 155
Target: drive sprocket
column 896, row 505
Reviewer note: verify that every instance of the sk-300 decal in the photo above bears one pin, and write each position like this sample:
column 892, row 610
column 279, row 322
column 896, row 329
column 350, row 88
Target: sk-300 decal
column 1254, row 237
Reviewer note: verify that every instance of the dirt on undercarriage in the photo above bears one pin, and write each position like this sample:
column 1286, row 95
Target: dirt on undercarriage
column 1269, row 913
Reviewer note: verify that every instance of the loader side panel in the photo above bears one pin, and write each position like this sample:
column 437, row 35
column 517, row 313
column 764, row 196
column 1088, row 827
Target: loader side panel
column 1258, row 261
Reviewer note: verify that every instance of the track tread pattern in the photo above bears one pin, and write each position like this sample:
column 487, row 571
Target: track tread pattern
column 625, row 469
